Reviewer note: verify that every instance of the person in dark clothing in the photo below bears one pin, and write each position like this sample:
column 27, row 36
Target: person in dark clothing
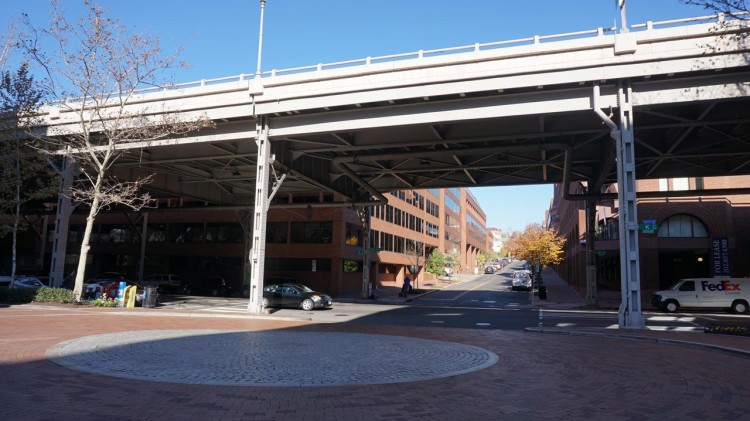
column 407, row 286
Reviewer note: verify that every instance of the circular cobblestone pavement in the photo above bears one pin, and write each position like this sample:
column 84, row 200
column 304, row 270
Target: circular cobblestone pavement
column 268, row 358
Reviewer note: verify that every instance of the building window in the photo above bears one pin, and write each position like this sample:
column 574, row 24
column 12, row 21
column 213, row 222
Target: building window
column 353, row 235
column 187, row 233
column 223, row 233
column 682, row 226
column 679, row 184
column 312, row 232
column 156, row 233
column 352, row 266
column 276, row 232
column 114, row 234
column 432, row 230
column 398, row 244
column 374, row 238
column 451, row 204
column 292, row 264
column 433, row 208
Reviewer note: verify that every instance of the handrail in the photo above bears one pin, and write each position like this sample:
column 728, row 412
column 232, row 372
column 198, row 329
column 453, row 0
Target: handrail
column 720, row 17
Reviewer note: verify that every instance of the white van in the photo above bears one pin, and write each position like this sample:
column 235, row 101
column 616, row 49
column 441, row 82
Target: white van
column 729, row 293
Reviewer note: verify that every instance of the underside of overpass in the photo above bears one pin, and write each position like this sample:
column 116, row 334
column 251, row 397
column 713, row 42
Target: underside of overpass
column 675, row 139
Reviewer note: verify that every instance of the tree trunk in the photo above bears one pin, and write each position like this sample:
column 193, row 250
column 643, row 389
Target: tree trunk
column 17, row 215
column 85, row 247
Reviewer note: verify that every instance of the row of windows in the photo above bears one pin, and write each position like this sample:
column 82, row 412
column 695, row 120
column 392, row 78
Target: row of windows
column 451, row 204
column 313, row 232
column 297, row 264
column 398, row 217
column 411, row 197
column 678, row 184
column 678, row 226
column 161, row 233
column 389, row 242
column 473, row 223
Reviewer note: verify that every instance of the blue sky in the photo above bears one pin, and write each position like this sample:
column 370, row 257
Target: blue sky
column 220, row 38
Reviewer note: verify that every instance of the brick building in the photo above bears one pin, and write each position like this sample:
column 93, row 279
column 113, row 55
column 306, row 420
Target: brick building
column 321, row 245
column 696, row 235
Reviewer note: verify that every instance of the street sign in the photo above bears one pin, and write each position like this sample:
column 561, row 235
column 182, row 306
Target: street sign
column 649, row 228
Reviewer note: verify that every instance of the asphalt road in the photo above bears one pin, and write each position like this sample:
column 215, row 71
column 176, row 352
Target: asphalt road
column 477, row 309
column 486, row 302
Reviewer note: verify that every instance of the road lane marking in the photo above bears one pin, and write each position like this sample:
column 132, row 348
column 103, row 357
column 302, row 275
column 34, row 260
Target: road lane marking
column 470, row 290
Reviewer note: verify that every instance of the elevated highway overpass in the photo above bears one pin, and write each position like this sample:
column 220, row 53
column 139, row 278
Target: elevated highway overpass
column 662, row 100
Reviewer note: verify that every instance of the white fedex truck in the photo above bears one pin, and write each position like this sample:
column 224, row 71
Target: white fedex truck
column 728, row 293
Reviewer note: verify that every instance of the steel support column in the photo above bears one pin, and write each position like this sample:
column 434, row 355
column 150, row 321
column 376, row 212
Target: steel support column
column 62, row 223
column 260, row 216
column 144, row 242
column 630, row 315
column 364, row 219
column 264, row 193
column 591, row 296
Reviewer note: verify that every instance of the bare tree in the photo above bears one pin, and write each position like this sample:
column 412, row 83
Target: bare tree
column 7, row 41
column 25, row 175
column 734, row 8
column 94, row 70
column 415, row 251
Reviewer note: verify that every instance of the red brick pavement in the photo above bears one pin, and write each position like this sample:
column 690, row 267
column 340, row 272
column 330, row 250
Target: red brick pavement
column 539, row 376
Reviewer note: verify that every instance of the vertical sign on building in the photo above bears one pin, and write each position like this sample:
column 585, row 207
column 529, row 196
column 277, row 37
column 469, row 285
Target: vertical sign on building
column 720, row 255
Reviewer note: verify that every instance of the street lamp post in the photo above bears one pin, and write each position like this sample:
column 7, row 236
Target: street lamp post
column 260, row 38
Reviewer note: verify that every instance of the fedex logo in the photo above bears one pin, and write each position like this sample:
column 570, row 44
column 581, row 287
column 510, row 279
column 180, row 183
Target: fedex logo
column 720, row 286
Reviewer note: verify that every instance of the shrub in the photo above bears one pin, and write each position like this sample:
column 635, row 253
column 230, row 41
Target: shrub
column 17, row 295
column 54, row 295
column 102, row 302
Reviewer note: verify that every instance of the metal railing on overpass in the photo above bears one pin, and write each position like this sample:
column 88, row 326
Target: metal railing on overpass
column 537, row 39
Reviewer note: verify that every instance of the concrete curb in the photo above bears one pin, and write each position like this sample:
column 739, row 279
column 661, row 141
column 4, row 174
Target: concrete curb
column 689, row 344
column 156, row 312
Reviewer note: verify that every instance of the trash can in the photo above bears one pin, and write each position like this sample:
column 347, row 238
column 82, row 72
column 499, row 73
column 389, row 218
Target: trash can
column 149, row 297
column 542, row 292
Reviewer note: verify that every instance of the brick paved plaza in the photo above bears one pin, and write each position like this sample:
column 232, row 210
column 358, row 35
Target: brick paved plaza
column 535, row 376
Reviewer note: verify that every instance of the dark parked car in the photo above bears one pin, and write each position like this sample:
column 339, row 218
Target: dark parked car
column 295, row 295
column 267, row 281
column 215, row 286
column 489, row 269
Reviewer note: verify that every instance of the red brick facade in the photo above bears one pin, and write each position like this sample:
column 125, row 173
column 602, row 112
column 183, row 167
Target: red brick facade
column 663, row 259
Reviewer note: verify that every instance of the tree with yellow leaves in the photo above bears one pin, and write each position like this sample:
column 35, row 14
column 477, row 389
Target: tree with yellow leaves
column 537, row 245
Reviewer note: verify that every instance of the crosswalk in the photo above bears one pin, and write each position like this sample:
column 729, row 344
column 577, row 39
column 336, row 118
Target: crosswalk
column 610, row 320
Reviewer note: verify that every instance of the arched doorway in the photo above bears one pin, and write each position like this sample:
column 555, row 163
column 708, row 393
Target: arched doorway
column 684, row 257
